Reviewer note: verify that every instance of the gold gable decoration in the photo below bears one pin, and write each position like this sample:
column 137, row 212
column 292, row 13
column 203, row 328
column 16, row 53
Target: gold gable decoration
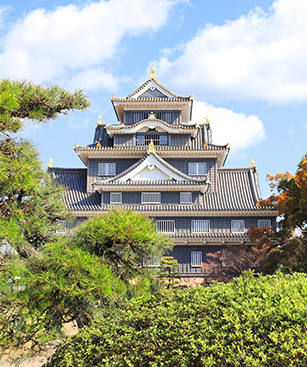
column 99, row 122
column 151, row 148
column 152, row 74
column 207, row 121
column 152, row 116
column 253, row 164
column 98, row 145
column 49, row 165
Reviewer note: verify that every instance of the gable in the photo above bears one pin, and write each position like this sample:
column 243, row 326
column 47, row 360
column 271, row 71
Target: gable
column 151, row 169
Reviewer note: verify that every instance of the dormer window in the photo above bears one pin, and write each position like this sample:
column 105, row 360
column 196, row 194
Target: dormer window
column 106, row 169
column 197, row 168
column 157, row 139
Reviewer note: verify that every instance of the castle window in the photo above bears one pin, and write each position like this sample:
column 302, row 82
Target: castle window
column 62, row 226
column 106, row 169
column 115, row 198
column 165, row 226
column 196, row 258
column 168, row 117
column 151, row 198
column 264, row 223
column 197, row 168
column 237, row 226
column 227, row 258
column 185, row 198
column 200, row 226
column 157, row 139
column 152, row 261
column 137, row 116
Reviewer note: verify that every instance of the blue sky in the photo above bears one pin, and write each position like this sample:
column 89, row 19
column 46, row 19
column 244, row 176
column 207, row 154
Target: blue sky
column 244, row 62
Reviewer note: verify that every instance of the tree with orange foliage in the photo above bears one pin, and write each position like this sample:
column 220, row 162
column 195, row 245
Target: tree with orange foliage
column 282, row 250
column 290, row 251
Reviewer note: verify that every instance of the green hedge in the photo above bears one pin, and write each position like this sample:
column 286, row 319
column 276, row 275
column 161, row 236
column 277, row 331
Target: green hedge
column 250, row 322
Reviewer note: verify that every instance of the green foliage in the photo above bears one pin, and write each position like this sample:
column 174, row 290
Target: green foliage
column 30, row 202
column 122, row 238
column 57, row 285
column 21, row 100
column 168, row 273
column 250, row 322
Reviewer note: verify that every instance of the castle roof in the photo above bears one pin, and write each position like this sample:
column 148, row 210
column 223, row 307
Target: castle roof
column 152, row 93
column 103, row 144
column 237, row 194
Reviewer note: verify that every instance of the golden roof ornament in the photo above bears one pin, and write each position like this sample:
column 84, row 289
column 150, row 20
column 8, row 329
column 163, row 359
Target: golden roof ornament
column 152, row 73
column 151, row 148
column 207, row 121
column 191, row 97
column 94, row 181
column 208, row 181
column 205, row 145
column 99, row 122
column 228, row 146
column 197, row 126
column 76, row 146
column 49, row 165
column 152, row 116
column 253, row 164
column 98, row 145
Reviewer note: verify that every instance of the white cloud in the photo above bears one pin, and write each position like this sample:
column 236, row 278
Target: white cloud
column 256, row 57
column 237, row 129
column 48, row 45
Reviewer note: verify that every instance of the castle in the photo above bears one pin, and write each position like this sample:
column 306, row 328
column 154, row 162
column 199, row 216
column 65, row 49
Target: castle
column 157, row 162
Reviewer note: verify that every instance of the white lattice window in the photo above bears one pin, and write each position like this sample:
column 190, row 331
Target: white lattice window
column 264, row 223
column 197, row 168
column 151, row 198
column 237, row 226
column 62, row 227
column 185, row 198
column 165, row 226
column 200, row 226
column 196, row 258
column 115, row 198
column 106, row 169
column 152, row 261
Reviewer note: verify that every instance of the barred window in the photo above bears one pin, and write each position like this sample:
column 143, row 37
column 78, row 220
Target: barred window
column 200, row 226
column 227, row 258
column 197, row 168
column 185, row 198
column 165, row 226
column 137, row 116
column 168, row 117
column 152, row 261
column 264, row 223
column 106, row 169
column 115, row 198
column 62, row 226
column 157, row 139
column 196, row 258
column 237, row 226
column 151, row 198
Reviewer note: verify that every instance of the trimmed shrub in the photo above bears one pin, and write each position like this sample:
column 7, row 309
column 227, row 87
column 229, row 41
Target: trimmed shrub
column 249, row 322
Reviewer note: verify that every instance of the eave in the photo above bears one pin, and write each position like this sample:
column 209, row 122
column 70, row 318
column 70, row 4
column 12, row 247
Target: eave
column 153, row 213
column 151, row 123
column 86, row 152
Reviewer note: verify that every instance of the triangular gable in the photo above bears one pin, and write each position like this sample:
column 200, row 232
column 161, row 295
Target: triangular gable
column 151, row 168
column 152, row 88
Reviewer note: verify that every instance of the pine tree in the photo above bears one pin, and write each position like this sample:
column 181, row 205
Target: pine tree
column 30, row 203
